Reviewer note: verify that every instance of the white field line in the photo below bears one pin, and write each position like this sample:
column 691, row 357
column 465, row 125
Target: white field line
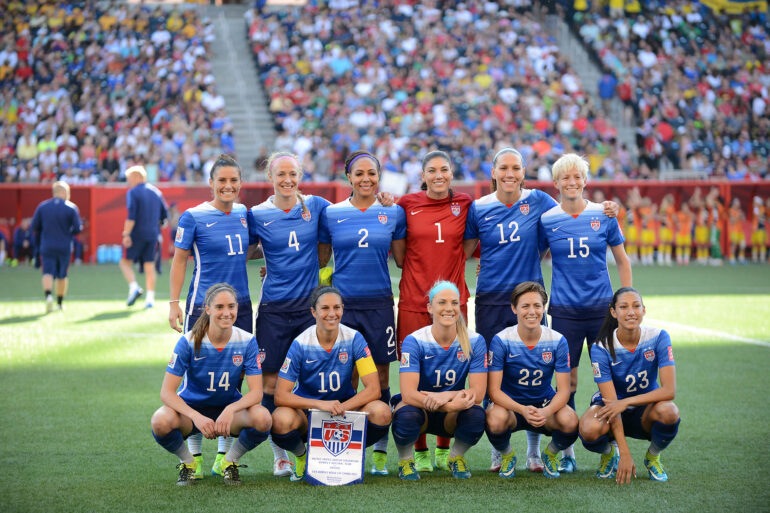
column 704, row 331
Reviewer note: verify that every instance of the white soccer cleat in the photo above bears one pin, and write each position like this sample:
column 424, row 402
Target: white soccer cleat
column 497, row 460
column 49, row 304
column 281, row 467
column 534, row 464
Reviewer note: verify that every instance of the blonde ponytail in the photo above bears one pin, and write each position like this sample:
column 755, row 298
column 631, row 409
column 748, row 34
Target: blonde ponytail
column 462, row 336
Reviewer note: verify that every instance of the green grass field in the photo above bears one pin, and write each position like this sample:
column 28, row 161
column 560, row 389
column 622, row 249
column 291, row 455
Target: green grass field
column 79, row 389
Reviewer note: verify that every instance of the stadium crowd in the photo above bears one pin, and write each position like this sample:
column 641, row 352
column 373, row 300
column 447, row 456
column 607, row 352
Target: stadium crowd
column 87, row 90
column 694, row 81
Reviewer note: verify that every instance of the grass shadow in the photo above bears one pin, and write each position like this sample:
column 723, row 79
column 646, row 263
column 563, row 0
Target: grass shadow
column 109, row 316
column 21, row 318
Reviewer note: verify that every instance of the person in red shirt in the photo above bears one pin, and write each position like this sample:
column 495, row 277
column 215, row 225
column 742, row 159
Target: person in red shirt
column 435, row 225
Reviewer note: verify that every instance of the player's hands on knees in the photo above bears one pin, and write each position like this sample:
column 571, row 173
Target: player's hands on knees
column 175, row 317
column 206, row 426
column 626, row 469
column 333, row 407
column 224, row 422
column 462, row 401
column 611, row 409
column 434, row 401
column 533, row 416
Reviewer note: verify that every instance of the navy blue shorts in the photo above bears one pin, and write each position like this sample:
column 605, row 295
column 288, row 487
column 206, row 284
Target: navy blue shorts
column 576, row 331
column 56, row 264
column 631, row 417
column 212, row 412
column 378, row 327
column 244, row 320
column 522, row 424
column 276, row 331
column 142, row 250
column 492, row 319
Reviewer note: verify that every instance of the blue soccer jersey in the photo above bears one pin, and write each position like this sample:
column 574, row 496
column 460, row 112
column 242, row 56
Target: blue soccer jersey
column 581, row 286
column 318, row 374
column 290, row 243
column 55, row 222
column 147, row 209
column 527, row 373
column 211, row 376
column 442, row 369
column 633, row 372
column 361, row 243
column 509, row 243
column 219, row 242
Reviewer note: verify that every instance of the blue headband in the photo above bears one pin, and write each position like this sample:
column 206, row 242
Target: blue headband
column 442, row 285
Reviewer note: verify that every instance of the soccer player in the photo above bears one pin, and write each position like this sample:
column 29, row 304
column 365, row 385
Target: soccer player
column 578, row 234
column 626, row 360
column 211, row 358
column 23, row 241
column 435, row 362
column 286, row 224
column 758, row 232
column 361, row 231
column 317, row 373
column 55, row 222
column 523, row 360
column 435, row 224
column 216, row 233
column 737, row 218
column 684, row 222
column 146, row 214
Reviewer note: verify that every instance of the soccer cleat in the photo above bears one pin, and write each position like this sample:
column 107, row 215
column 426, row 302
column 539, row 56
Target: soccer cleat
column 655, row 468
column 422, row 461
column 281, row 467
column 232, row 476
column 379, row 463
column 442, row 458
column 186, row 473
column 49, row 304
column 459, row 467
column 497, row 460
column 298, row 472
column 198, row 461
column 534, row 464
column 133, row 295
column 407, row 470
column 608, row 464
column 568, row 465
column 550, row 463
column 218, row 468
column 508, row 465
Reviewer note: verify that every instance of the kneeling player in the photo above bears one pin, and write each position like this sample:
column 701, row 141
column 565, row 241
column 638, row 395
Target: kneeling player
column 524, row 358
column 626, row 359
column 317, row 373
column 435, row 360
column 211, row 358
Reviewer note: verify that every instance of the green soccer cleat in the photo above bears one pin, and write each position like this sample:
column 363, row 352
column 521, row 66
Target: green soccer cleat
column 407, row 471
column 298, row 472
column 218, row 468
column 550, row 463
column 422, row 461
column 231, row 474
column 459, row 467
column 186, row 473
column 508, row 466
column 198, row 462
column 608, row 464
column 441, row 456
column 379, row 463
column 655, row 468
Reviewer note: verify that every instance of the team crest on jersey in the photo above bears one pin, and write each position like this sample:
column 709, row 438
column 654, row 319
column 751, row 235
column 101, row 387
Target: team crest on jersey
column 336, row 435
column 382, row 218
column 261, row 358
column 597, row 372
column 343, row 357
column 404, row 360
column 179, row 234
column 649, row 355
column 455, row 208
column 524, row 208
column 306, row 215
column 172, row 361
column 237, row 359
column 286, row 364
column 547, row 356
column 243, row 222
column 595, row 225
column 460, row 355
column 670, row 354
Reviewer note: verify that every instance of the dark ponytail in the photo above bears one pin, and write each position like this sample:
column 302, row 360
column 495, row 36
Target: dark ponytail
column 610, row 323
column 202, row 324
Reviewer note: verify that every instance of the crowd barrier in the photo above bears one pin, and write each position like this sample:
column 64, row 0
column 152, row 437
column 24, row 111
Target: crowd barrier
column 103, row 208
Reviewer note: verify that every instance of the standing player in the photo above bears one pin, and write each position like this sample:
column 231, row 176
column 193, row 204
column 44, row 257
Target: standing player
column 361, row 231
column 626, row 359
column 736, row 231
column 435, row 224
column 317, row 373
column 684, row 221
column 211, row 358
column 216, row 233
column 524, row 359
column 578, row 234
column 286, row 224
column 758, row 233
column 146, row 214
column 23, row 242
column 55, row 222
column 435, row 361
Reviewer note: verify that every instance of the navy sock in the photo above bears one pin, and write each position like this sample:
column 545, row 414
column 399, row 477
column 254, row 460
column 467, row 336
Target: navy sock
column 290, row 441
column 470, row 425
column 374, row 432
column 171, row 442
column 268, row 401
column 663, row 434
column 406, row 425
column 562, row 440
column 500, row 441
column 599, row 445
column 385, row 395
column 250, row 438
column 571, row 402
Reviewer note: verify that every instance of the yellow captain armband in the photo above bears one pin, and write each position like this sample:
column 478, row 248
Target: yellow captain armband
column 365, row 366
column 325, row 276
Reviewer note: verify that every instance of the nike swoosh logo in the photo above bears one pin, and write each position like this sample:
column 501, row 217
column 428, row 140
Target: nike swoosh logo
column 391, row 352
column 554, row 229
column 428, row 357
column 513, row 355
column 342, row 220
column 413, row 212
column 490, row 217
column 310, row 361
column 196, row 358
column 615, row 363
column 270, row 222
column 209, row 225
